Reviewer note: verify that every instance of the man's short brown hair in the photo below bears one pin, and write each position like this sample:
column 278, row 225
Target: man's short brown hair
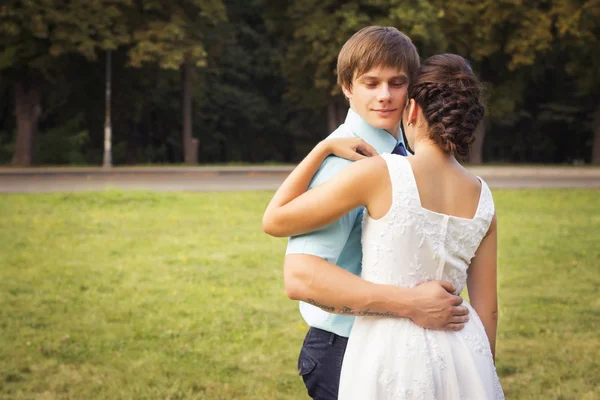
column 376, row 46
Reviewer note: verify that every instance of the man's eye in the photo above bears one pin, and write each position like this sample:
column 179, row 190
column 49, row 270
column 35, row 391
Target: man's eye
column 398, row 85
column 370, row 85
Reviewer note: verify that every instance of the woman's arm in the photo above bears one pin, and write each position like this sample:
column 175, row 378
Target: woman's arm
column 298, row 181
column 293, row 211
column 481, row 283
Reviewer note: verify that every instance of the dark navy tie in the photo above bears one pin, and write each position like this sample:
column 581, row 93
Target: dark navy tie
column 399, row 149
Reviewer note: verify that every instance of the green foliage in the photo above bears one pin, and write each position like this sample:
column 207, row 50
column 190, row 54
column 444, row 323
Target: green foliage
column 504, row 40
column 64, row 144
column 6, row 122
column 240, row 106
column 513, row 30
column 119, row 295
column 578, row 34
column 32, row 32
column 171, row 33
column 7, row 146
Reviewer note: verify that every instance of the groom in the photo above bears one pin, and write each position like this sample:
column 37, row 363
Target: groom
column 323, row 267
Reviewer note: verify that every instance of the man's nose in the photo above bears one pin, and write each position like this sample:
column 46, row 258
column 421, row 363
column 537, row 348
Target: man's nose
column 384, row 93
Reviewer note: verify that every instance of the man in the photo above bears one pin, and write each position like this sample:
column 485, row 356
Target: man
column 322, row 268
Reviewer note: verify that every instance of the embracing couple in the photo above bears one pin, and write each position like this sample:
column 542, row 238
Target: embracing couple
column 381, row 248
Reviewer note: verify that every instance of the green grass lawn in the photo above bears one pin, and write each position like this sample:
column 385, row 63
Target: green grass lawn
column 131, row 295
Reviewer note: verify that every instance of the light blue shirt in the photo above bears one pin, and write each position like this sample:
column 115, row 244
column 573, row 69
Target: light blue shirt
column 339, row 242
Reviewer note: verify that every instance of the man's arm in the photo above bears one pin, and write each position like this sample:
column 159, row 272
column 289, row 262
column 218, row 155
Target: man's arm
column 315, row 281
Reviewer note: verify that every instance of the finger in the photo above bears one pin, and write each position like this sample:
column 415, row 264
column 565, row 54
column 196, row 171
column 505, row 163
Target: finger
column 368, row 150
column 462, row 319
column 460, row 310
column 457, row 300
column 448, row 286
column 354, row 156
column 364, row 147
column 365, row 153
column 454, row 327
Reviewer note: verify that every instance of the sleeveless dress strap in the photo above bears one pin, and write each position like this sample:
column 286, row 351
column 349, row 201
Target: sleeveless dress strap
column 404, row 187
column 487, row 208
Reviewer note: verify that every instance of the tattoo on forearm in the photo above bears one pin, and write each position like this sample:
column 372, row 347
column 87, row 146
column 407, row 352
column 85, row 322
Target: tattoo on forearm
column 321, row 306
column 350, row 311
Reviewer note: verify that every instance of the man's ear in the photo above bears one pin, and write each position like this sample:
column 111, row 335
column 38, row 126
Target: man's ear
column 347, row 92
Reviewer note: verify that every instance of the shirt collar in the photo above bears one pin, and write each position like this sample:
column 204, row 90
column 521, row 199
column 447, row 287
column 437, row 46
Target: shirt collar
column 380, row 139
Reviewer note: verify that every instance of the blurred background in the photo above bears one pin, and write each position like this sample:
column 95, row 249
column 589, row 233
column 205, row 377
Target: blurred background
column 253, row 81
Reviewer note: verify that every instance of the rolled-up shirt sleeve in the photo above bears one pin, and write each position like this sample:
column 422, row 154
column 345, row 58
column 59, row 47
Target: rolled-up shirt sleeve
column 326, row 242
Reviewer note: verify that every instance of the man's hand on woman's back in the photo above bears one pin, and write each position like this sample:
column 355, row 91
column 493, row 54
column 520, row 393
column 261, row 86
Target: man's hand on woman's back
column 435, row 306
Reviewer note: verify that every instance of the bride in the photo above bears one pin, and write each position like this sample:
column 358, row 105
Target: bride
column 426, row 209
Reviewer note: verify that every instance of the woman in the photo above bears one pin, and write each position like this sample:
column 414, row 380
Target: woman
column 426, row 218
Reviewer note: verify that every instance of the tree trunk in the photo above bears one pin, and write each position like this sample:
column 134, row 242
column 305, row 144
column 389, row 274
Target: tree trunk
column 27, row 112
column 476, row 151
column 190, row 144
column 596, row 138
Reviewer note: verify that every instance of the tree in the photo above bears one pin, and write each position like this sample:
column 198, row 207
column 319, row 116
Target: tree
column 503, row 40
column 241, row 107
column 578, row 31
column 172, row 34
column 33, row 36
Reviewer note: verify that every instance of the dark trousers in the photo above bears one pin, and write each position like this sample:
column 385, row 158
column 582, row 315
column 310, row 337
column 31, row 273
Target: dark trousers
column 320, row 363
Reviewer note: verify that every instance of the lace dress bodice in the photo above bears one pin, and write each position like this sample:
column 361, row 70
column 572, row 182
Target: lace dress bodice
column 422, row 244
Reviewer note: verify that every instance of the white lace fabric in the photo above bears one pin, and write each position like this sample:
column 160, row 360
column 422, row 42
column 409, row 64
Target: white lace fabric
column 393, row 358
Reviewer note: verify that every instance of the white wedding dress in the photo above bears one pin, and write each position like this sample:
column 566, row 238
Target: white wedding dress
column 393, row 358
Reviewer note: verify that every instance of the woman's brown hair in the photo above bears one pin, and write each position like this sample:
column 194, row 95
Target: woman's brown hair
column 449, row 94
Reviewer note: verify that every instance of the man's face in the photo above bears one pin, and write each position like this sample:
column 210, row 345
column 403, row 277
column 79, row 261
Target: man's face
column 379, row 97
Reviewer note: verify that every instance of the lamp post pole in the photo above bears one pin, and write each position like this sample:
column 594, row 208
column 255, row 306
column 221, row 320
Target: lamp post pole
column 107, row 161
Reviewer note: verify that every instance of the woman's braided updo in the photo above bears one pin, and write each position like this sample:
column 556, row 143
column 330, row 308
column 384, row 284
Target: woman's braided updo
column 449, row 94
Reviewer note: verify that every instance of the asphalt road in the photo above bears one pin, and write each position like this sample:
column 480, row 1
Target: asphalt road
column 208, row 179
